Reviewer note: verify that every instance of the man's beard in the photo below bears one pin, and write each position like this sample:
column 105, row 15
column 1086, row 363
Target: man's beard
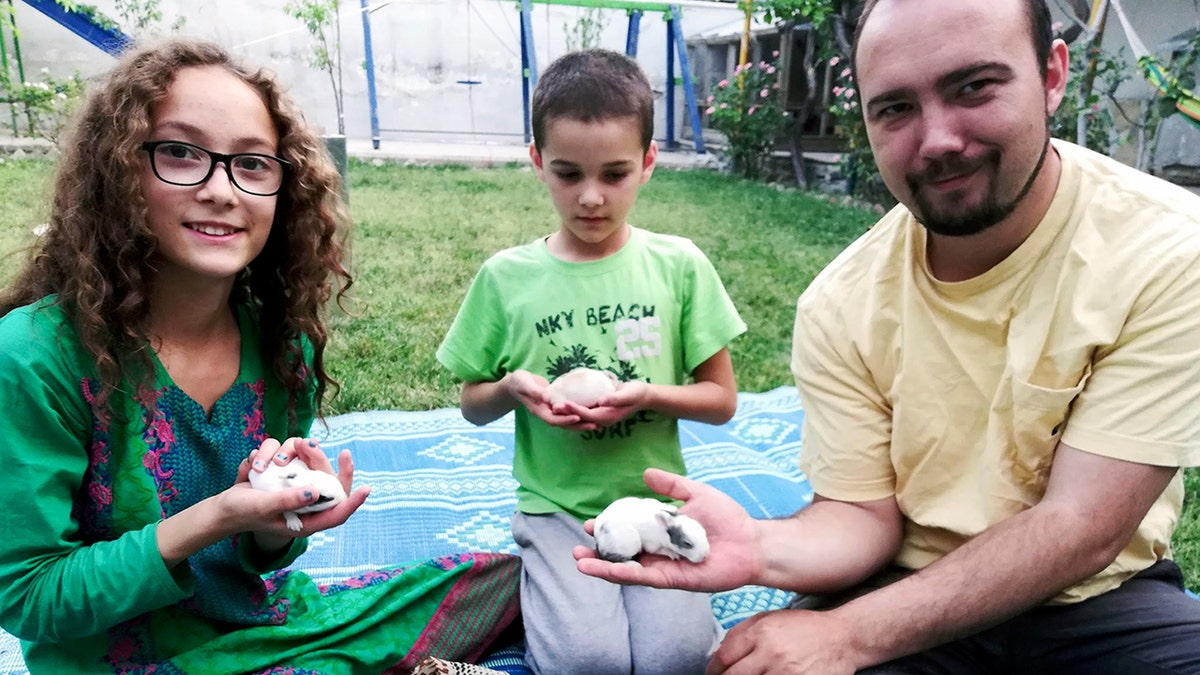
column 974, row 219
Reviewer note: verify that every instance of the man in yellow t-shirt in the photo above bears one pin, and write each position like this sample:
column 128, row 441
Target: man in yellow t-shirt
column 1001, row 383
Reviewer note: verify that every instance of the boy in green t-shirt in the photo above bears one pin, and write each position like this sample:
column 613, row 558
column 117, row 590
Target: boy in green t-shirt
column 596, row 293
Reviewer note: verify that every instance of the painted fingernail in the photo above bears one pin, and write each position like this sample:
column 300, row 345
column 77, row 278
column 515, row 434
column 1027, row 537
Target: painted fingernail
column 312, row 444
column 281, row 456
column 308, row 495
column 258, row 464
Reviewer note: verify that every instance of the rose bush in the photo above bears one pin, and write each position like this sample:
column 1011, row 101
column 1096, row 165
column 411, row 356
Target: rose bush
column 748, row 109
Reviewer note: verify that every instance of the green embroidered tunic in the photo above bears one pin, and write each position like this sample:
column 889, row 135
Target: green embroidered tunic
column 81, row 580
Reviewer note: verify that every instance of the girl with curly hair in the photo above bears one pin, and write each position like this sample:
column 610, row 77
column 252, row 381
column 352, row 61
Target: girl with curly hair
column 165, row 336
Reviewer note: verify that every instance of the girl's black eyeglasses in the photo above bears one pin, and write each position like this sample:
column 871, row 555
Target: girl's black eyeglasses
column 179, row 163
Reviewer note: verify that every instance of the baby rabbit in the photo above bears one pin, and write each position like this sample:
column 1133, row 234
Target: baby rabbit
column 584, row 386
column 632, row 525
column 296, row 474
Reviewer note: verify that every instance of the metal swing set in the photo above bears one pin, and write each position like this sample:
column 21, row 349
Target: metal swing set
column 113, row 41
column 676, row 54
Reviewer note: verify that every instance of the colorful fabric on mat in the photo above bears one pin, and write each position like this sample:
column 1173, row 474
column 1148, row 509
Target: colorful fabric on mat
column 432, row 666
column 472, row 597
column 441, row 486
column 454, row 606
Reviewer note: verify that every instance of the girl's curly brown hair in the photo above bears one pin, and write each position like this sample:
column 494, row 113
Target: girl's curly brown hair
column 99, row 256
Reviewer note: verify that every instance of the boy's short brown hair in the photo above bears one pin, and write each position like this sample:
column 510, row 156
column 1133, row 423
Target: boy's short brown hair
column 593, row 85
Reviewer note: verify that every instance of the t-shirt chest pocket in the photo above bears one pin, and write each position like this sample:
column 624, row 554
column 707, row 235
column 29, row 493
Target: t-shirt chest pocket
column 1039, row 415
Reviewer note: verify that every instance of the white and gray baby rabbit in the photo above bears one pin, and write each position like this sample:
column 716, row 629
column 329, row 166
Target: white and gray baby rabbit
column 633, row 525
column 585, row 386
column 297, row 474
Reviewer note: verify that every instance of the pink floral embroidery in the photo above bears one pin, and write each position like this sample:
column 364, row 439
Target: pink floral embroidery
column 93, row 511
column 362, row 581
column 136, row 670
column 159, row 437
column 255, row 423
column 99, row 453
column 101, row 494
column 162, row 430
column 122, row 648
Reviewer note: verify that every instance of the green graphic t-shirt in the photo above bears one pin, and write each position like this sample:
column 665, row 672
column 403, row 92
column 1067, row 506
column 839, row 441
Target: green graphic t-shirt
column 653, row 311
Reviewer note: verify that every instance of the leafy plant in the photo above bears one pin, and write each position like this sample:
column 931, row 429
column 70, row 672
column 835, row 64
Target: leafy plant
column 143, row 16
column 586, row 31
column 831, row 20
column 832, row 23
column 816, row 11
column 321, row 19
column 749, row 111
column 48, row 103
column 1090, row 99
column 139, row 14
column 858, row 162
column 94, row 15
column 1182, row 66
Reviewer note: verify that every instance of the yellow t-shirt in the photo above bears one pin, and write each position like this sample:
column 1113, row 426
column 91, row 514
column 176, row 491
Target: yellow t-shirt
column 953, row 396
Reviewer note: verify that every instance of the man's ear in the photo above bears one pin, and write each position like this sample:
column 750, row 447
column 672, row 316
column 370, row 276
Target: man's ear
column 649, row 160
column 1057, row 72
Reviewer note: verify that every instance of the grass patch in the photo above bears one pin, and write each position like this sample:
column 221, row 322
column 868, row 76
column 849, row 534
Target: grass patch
column 1186, row 541
column 26, row 188
column 421, row 233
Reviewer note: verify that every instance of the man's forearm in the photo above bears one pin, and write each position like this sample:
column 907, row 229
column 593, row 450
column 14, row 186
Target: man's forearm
column 1009, row 568
column 810, row 553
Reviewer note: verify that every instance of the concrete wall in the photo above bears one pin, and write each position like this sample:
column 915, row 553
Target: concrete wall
column 422, row 50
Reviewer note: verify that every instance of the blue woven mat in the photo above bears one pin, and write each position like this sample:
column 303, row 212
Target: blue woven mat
column 441, row 485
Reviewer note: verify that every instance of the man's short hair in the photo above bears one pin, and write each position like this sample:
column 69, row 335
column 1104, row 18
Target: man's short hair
column 1041, row 31
column 593, row 85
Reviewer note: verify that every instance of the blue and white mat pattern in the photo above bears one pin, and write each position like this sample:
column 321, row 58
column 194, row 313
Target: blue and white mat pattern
column 441, row 485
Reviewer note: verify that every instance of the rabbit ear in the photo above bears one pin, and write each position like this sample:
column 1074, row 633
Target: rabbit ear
column 665, row 518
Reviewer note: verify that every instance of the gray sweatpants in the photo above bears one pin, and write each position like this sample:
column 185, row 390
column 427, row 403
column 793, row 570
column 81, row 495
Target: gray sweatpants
column 580, row 624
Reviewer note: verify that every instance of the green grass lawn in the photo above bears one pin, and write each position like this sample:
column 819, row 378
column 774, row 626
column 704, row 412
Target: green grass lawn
column 421, row 233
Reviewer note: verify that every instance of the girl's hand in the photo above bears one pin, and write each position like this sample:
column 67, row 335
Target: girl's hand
column 261, row 512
